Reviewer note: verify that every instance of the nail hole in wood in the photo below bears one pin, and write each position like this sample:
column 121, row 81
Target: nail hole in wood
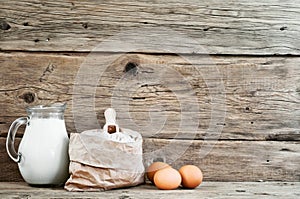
column 251, row 122
column 36, row 40
column 131, row 68
column 4, row 25
column 283, row 28
column 247, row 108
column 268, row 160
column 25, row 24
column 85, row 25
column 205, row 29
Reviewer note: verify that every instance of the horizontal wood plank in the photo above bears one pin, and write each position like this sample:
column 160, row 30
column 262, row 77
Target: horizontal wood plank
column 241, row 98
column 206, row 190
column 220, row 27
column 230, row 160
column 9, row 169
column 219, row 160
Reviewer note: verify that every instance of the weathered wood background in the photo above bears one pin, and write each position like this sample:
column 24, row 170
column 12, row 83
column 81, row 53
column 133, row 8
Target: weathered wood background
column 254, row 47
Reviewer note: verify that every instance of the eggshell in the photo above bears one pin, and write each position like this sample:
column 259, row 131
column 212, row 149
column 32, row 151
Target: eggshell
column 167, row 179
column 191, row 176
column 153, row 168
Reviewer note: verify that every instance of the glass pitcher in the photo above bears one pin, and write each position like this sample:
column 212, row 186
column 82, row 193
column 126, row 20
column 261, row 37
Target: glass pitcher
column 43, row 151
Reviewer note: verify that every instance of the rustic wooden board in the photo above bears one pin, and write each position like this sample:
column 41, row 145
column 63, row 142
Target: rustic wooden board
column 259, row 94
column 219, row 161
column 9, row 169
column 220, row 27
column 206, row 190
column 230, row 160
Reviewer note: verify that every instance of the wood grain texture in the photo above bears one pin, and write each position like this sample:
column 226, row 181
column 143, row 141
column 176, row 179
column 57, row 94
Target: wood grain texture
column 257, row 27
column 259, row 95
column 230, row 160
column 234, row 114
column 219, row 160
column 206, row 190
column 9, row 169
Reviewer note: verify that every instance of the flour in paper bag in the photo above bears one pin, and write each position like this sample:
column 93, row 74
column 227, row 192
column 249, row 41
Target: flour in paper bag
column 121, row 137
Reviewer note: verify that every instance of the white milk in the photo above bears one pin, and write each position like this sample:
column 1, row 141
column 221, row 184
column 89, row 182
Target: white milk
column 44, row 150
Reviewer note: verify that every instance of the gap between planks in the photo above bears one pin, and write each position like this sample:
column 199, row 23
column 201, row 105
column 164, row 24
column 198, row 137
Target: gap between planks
column 85, row 53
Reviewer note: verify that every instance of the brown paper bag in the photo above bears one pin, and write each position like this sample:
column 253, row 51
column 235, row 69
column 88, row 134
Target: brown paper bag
column 97, row 163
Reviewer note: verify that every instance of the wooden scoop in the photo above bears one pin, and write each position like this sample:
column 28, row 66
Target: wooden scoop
column 110, row 126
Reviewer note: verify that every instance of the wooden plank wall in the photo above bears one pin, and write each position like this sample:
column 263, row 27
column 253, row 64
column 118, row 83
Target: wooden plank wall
column 253, row 49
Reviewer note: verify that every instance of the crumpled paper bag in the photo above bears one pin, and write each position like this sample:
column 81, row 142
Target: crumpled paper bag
column 98, row 163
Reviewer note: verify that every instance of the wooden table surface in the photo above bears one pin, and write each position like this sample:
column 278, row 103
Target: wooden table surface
column 205, row 190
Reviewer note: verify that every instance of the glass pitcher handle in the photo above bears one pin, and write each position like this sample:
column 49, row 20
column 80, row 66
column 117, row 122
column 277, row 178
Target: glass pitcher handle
column 10, row 141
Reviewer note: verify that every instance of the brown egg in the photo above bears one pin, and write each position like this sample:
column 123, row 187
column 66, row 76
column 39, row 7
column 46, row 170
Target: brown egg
column 191, row 176
column 154, row 167
column 167, row 179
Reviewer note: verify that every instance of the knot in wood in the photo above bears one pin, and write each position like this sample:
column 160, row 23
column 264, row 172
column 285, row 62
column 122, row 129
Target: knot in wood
column 131, row 68
column 4, row 25
column 28, row 97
